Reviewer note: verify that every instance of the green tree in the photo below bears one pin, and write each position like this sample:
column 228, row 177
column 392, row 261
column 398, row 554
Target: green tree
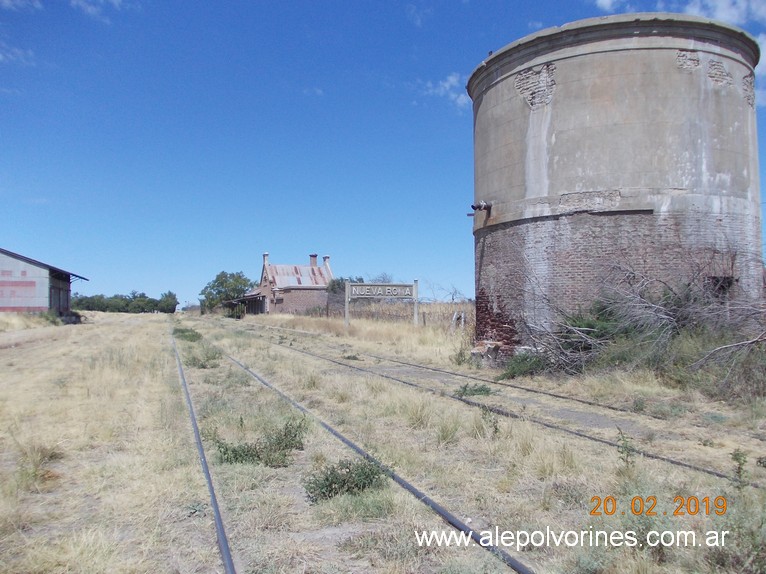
column 134, row 303
column 168, row 303
column 338, row 284
column 225, row 287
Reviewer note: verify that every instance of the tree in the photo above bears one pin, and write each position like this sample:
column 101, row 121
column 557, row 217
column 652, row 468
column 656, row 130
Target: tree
column 168, row 303
column 134, row 303
column 225, row 287
column 382, row 277
column 338, row 284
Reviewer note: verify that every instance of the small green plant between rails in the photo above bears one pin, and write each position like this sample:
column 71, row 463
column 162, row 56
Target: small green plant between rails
column 346, row 477
column 739, row 457
column 473, row 390
column 205, row 356
column 187, row 334
column 272, row 450
column 626, row 450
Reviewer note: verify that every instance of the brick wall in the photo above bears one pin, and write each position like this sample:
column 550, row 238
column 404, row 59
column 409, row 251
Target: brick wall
column 299, row 300
column 532, row 269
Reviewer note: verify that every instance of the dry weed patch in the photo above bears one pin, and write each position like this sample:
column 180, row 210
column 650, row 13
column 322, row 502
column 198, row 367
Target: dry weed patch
column 495, row 471
column 96, row 461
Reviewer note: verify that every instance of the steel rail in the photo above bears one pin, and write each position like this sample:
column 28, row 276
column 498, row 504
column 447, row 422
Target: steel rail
column 485, row 380
column 223, row 542
column 515, row 386
column 509, row 414
column 442, row 512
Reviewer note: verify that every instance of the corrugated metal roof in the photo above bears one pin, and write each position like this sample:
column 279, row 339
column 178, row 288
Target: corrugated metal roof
column 292, row 276
column 40, row 264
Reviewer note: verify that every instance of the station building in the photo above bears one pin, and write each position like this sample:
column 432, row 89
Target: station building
column 31, row 286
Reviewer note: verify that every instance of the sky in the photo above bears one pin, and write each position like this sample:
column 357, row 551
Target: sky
column 150, row 144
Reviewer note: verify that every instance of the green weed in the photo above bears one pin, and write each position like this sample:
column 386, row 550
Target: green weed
column 345, row 477
column 272, row 450
column 524, row 365
column 476, row 389
column 187, row 334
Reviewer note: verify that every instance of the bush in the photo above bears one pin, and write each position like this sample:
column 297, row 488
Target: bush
column 187, row 334
column 345, row 477
column 692, row 335
column 272, row 450
column 525, row 364
column 206, row 357
column 477, row 389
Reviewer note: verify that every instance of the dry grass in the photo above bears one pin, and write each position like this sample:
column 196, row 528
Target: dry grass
column 436, row 343
column 97, row 468
column 494, row 471
column 20, row 321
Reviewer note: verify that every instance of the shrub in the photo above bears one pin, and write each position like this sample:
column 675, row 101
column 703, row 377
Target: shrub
column 345, row 477
column 691, row 334
column 187, row 334
column 272, row 450
column 477, row 389
column 206, row 357
column 525, row 364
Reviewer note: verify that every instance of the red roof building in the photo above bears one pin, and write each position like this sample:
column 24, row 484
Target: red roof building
column 290, row 288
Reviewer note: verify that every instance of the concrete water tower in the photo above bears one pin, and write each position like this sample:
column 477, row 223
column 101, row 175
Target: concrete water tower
column 623, row 141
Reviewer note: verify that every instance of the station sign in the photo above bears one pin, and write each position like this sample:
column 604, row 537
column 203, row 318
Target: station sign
column 384, row 290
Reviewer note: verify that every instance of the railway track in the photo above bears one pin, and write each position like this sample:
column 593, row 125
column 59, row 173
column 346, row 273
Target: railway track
column 220, row 530
column 562, row 420
column 336, row 369
column 440, row 510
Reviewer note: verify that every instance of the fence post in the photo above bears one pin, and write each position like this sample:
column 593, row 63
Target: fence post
column 415, row 296
column 347, row 297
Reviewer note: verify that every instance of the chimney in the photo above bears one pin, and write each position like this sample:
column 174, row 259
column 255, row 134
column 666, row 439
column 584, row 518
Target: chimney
column 313, row 259
column 265, row 257
column 326, row 262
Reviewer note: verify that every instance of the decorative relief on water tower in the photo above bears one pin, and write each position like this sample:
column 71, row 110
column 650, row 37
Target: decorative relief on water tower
column 537, row 86
column 748, row 89
column 687, row 60
column 718, row 74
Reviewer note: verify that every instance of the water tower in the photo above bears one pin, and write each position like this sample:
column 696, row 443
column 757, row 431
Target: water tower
column 619, row 142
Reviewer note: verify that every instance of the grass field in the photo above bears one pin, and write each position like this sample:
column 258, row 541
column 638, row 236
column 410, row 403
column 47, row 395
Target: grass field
column 98, row 471
column 97, row 467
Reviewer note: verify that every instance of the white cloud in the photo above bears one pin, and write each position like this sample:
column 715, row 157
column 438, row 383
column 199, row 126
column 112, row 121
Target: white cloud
column 615, row 5
column 731, row 11
column 452, row 88
column 11, row 55
column 96, row 8
column 417, row 15
column 760, row 69
column 20, row 4
column 737, row 12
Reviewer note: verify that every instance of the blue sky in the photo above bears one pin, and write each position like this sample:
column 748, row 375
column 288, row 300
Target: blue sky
column 150, row 144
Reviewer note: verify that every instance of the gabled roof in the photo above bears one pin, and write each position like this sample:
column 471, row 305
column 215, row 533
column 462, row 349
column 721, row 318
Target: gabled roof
column 275, row 277
column 40, row 264
column 292, row 276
